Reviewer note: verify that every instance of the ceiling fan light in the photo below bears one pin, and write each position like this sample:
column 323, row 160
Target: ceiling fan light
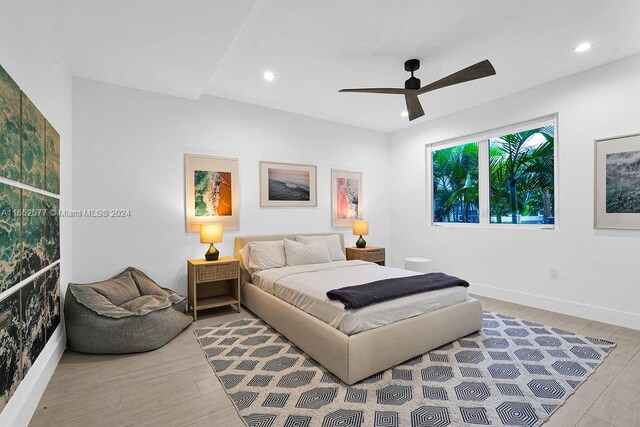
column 412, row 86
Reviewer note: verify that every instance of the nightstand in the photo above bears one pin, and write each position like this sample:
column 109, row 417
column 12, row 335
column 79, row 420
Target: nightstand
column 370, row 253
column 213, row 284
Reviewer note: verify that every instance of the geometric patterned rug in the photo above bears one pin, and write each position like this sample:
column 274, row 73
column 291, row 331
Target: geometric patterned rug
column 514, row 372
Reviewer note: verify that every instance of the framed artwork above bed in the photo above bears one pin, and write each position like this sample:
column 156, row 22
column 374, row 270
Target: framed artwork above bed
column 346, row 197
column 211, row 192
column 617, row 174
column 287, row 185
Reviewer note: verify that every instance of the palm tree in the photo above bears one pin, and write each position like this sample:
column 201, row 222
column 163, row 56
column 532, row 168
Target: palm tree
column 514, row 163
column 540, row 176
column 498, row 184
column 455, row 182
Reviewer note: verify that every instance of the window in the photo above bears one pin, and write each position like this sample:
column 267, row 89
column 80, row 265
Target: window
column 505, row 177
column 455, row 184
column 521, row 176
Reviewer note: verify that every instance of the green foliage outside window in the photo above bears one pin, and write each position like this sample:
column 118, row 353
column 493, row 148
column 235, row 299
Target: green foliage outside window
column 521, row 172
column 521, row 183
column 455, row 184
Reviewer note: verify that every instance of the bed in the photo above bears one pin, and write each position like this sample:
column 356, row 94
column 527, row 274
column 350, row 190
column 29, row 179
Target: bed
column 356, row 344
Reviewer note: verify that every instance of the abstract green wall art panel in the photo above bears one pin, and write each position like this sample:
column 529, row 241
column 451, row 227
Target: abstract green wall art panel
column 52, row 159
column 34, row 319
column 33, row 233
column 52, row 229
column 32, row 144
column 53, row 301
column 9, row 127
column 9, row 236
column 10, row 337
column 29, row 235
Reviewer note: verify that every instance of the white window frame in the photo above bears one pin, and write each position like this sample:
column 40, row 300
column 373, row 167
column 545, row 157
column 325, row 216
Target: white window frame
column 482, row 138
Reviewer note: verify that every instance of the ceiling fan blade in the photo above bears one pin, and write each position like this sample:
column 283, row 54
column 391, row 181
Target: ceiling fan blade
column 414, row 108
column 476, row 71
column 394, row 91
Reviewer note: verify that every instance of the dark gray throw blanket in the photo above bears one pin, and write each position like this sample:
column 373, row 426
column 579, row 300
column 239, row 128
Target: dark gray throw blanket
column 384, row 290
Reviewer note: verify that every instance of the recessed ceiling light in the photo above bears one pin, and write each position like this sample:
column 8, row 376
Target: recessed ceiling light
column 583, row 47
column 405, row 113
column 268, row 76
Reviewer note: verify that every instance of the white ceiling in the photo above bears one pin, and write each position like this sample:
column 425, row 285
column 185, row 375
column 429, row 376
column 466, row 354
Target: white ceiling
column 165, row 46
column 217, row 47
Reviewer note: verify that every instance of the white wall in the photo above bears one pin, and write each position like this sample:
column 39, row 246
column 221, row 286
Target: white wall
column 128, row 154
column 598, row 269
column 29, row 51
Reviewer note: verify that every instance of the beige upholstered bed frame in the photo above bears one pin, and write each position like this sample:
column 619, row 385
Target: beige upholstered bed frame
column 356, row 357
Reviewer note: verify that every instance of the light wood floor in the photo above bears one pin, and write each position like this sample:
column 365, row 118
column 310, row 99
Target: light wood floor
column 174, row 386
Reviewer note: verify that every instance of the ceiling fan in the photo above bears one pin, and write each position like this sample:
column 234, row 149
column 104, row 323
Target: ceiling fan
column 412, row 85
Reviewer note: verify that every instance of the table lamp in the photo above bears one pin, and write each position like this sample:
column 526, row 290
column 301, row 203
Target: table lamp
column 211, row 233
column 360, row 228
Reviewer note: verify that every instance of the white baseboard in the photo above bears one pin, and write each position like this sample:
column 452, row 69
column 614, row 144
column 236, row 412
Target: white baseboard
column 24, row 401
column 600, row 314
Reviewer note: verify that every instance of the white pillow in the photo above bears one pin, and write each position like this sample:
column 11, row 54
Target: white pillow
column 265, row 255
column 244, row 254
column 333, row 245
column 314, row 252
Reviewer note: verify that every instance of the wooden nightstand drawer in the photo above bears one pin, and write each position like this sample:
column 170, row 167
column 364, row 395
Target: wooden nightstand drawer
column 370, row 254
column 207, row 273
column 374, row 255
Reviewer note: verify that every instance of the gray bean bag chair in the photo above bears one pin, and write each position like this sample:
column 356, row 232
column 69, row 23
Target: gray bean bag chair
column 128, row 313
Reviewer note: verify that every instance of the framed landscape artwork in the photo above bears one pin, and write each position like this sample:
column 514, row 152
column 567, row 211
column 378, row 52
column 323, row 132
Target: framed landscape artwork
column 287, row 185
column 346, row 195
column 617, row 182
column 211, row 192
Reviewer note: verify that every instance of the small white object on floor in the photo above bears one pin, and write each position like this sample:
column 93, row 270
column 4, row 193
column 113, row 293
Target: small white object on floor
column 421, row 265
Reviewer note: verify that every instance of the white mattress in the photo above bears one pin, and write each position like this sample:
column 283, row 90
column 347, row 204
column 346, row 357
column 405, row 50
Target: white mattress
column 306, row 287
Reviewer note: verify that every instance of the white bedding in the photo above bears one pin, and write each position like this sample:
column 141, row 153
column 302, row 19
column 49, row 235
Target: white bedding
column 306, row 287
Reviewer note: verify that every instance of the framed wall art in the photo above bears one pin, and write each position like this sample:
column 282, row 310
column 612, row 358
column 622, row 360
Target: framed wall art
column 617, row 178
column 29, row 235
column 287, row 185
column 346, row 197
column 10, row 144
column 211, row 192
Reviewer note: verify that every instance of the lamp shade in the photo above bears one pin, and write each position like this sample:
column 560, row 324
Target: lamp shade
column 211, row 233
column 360, row 228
